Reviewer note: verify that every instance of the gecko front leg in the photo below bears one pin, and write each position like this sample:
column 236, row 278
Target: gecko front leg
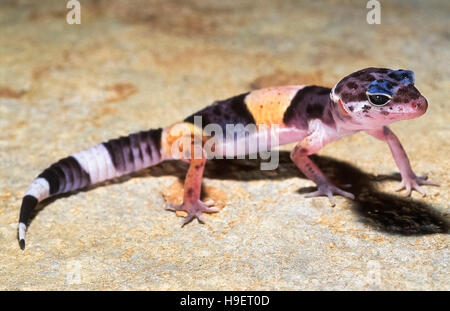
column 410, row 180
column 299, row 156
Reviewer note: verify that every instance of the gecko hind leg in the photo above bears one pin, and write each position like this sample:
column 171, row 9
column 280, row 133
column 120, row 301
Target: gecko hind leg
column 192, row 204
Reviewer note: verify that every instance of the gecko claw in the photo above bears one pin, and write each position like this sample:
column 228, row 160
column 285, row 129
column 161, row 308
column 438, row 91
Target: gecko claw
column 193, row 210
column 188, row 219
column 329, row 190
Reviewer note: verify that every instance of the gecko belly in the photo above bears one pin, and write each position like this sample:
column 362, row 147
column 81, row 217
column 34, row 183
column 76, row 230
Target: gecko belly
column 262, row 140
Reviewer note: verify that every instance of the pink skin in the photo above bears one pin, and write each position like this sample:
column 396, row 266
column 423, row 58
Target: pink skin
column 374, row 122
column 351, row 116
column 192, row 204
column 361, row 115
column 319, row 136
column 409, row 179
column 324, row 187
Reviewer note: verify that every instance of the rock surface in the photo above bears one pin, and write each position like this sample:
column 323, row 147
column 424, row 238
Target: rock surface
column 134, row 65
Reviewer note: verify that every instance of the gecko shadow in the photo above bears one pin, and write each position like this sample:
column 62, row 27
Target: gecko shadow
column 385, row 212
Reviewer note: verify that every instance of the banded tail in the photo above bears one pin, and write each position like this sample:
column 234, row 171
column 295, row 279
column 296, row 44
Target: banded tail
column 114, row 158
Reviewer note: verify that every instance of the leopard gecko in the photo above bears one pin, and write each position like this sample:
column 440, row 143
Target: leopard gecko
column 313, row 116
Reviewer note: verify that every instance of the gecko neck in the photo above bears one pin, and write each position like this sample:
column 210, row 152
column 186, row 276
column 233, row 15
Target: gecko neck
column 345, row 124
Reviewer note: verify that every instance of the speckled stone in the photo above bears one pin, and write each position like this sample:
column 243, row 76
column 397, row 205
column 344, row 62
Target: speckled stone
column 135, row 65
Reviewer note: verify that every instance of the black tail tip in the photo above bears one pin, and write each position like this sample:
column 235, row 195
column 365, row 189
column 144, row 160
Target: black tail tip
column 22, row 244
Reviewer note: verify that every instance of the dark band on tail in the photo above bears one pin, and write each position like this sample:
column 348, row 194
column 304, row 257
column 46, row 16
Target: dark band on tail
column 65, row 175
column 28, row 204
column 127, row 153
column 104, row 161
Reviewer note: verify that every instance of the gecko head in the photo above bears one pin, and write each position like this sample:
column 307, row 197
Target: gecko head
column 374, row 97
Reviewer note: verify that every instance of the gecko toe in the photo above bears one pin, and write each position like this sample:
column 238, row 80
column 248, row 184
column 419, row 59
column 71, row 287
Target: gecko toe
column 329, row 191
column 200, row 218
column 400, row 187
column 211, row 209
column 419, row 189
column 193, row 210
column 313, row 194
column 331, row 199
column 187, row 219
column 410, row 183
column 429, row 183
column 172, row 207
column 209, row 203
column 345, row 193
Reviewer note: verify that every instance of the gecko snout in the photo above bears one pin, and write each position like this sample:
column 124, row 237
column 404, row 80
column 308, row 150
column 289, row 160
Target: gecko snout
column 420, row 105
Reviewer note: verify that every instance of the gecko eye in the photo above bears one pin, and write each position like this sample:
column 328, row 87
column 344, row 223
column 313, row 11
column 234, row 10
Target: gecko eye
column 378, row 99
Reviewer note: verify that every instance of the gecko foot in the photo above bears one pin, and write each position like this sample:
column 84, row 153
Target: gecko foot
column 414, row 183
column 193, row 210
column 329, row 190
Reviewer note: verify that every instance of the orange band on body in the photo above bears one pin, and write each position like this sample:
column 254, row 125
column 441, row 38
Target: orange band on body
column 181, row 132
column 268, row 105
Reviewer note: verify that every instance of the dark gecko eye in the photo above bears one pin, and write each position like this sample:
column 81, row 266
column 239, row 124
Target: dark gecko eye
column 378, row 99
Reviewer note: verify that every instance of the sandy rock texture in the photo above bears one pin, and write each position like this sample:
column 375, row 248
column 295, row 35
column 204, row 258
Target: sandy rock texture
column 135, row 65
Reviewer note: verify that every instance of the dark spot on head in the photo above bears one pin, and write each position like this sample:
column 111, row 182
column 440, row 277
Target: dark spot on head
column 406, row 94
column 385, row 113
column 351, row 108
column 361, row 96
column 392, row 75
column 366, row 108
column 346, row 96
column 369, row 78
column 352, row 85
column 358, row 73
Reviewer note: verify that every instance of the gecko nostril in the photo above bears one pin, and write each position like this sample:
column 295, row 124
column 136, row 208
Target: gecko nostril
column 420, row 104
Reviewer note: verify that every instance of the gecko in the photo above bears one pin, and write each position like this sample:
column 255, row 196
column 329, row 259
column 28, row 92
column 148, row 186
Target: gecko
column 312, row 116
